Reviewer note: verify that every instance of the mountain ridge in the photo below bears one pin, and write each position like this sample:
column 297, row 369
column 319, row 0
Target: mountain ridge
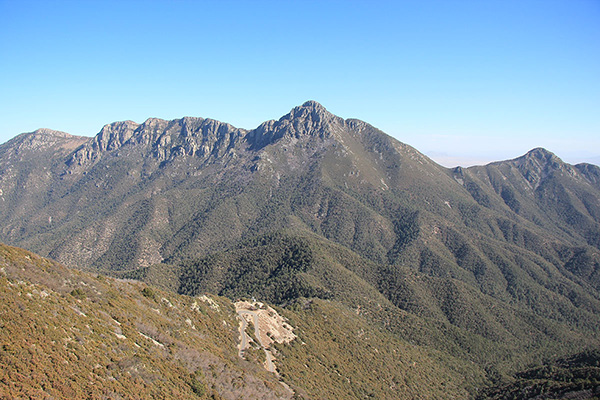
column 308, row 131
column 310, row 108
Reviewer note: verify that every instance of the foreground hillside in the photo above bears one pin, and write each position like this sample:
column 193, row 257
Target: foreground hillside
column 68, row 334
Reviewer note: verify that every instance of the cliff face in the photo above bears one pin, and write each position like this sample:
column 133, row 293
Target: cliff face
column 159, row 139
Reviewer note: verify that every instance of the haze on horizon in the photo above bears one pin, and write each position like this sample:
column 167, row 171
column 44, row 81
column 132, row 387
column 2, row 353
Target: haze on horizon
column 465, row 82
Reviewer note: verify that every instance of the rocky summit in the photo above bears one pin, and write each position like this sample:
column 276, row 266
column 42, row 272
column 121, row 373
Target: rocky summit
column 489, row 271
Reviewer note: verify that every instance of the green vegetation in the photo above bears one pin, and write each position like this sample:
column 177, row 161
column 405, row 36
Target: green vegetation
column 115, row 342
column 339, row 355
column 78, row 293
column 118, row 341
column 436, row 312
column 268, row 268
column 574, row 377
column 149, row 293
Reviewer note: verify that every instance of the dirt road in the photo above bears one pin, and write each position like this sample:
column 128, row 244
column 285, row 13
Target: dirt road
column 244, row 338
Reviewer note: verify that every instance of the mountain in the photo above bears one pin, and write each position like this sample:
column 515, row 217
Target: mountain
column 135, row 195
column 548, row 192
column 494, row 265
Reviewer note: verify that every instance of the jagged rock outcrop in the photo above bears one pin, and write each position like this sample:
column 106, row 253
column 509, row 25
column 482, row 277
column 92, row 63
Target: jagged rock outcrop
column 111, row 137
column 310, row 119
column 163, row 140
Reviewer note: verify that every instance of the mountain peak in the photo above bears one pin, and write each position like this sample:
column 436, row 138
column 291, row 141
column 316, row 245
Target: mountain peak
column 41, row 140
column 310, row 120
column 539, row 163
column 312, row 112
column 540, row 153
column 51, row 132
column 311, row 108
column 542, row 158
column 314, row 105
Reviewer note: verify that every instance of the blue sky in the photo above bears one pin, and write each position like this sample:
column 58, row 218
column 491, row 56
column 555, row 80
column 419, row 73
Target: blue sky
column 462, row 81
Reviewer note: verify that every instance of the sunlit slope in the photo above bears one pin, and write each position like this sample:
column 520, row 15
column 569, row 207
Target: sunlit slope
column 69, row 334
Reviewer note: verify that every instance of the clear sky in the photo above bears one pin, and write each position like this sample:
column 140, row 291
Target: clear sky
column 462, row 81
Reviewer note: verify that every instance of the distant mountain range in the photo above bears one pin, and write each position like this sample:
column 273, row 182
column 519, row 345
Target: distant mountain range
column 466, row 160
column 495, row 265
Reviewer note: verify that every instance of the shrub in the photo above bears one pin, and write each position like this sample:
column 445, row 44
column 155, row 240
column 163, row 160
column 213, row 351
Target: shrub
column 147, row 292
column 78, row 293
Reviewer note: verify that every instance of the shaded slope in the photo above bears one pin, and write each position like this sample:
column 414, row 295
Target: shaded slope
column 574, row 377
